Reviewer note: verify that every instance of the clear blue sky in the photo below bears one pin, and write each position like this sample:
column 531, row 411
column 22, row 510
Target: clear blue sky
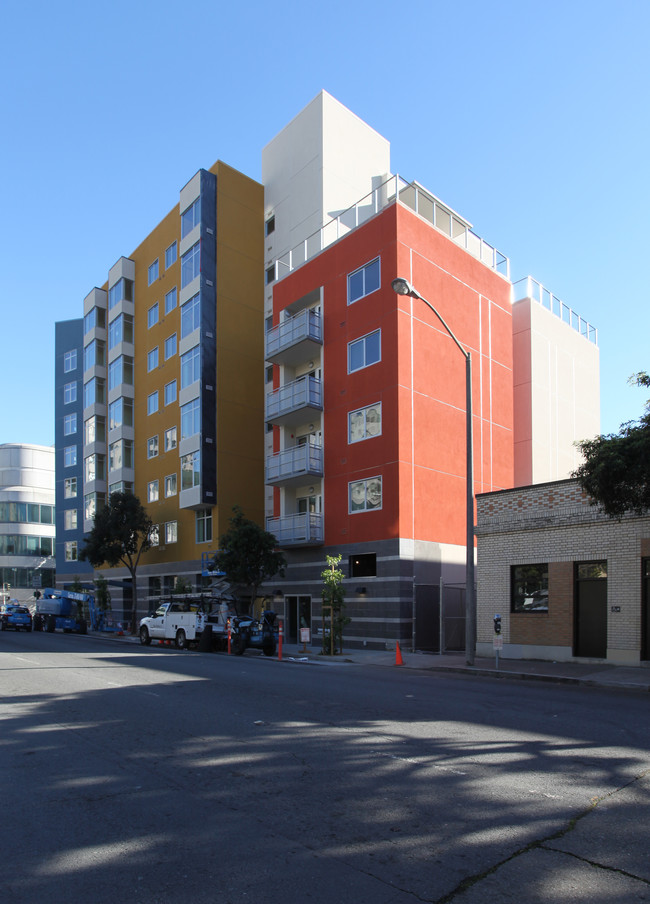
column 530, row 119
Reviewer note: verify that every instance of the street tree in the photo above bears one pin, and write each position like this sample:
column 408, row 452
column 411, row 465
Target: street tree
column 248, row 554
column 616, row 469
column 120, row 534
column 333, row 606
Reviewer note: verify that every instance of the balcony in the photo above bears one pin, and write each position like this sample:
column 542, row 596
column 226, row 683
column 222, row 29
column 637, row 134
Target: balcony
column 295, row 340
column 293, row 402
column 301, row 529
column 294, row 466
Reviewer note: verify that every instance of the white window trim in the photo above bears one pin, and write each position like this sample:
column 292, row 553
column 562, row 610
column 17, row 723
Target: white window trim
column 363, row 269
column 364, row 338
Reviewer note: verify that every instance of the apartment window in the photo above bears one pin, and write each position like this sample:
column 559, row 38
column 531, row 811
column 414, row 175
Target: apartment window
column 190, row 218
column 70, row 487
column 190, row 418
column 190, row 470
column 120, row 413
column 363, row 281
column 170, row 346
column 96, row 317
column 93, row 503
column 121, row 291
column 190, row 367
column 70, row 519
column 95, row 354
column 170, row 439
column 170, row 486
column 153, row 271
column 190, row 265
column 152, row 315
column 94, row 430
column 152, row 402
column 364, row 423
column 69, row 393
column 364, row 351
column 120, row 330
column 269, row 226
column 71, row 550
column 269, row 373
column 154, row 535
column 170, row 255
column 122, row 486
column 171, row 300
column 204, row 526
column 69, row 456
column 529, row 588
column 70, row 361
column 171, row 531
column 152, row 447
column 94, row 467
column 363, row 565
column 152, row 491
column 69, row 424
column 120, row 455
column 190, row 316
column 365, row 495
column 120, row 371
column 94, row 392
column 270, row 274
column 152, row 359
column 170, row 392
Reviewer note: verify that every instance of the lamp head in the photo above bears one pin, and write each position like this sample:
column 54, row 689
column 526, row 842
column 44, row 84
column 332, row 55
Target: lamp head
column 403, row 287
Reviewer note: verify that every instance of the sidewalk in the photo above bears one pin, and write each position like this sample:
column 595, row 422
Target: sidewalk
column 592, row 673
column 586, row 673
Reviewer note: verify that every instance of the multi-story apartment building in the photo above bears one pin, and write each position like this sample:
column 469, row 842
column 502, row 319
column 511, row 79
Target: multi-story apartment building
column 26, row 519
column 367, row 455
column 363, row 427
column 172, row 401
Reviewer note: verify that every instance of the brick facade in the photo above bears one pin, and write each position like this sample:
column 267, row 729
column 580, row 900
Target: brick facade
column 554, row 523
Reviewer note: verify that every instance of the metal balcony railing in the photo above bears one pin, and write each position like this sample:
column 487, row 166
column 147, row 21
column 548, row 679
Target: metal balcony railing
column 531, row 288
column 300, row 529
column 291, row 466
column 412, row 195
column 289, row 403
column 295, row 339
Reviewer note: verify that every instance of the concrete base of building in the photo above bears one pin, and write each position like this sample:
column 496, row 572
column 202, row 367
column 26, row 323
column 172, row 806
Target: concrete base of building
column 554, row 654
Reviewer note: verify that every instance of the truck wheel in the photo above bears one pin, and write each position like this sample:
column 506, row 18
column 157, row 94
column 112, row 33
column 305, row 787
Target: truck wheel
column 145, row 640
column 181, row 640
column 237, row 645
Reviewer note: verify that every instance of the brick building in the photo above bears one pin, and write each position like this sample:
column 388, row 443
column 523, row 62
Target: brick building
column 568, row 582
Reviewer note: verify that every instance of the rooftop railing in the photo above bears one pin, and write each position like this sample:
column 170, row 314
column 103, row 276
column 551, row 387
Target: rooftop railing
column 413, row 196
column 531, row 288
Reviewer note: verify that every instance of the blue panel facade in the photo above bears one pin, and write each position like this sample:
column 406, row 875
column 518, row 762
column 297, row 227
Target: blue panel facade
column 68, row 413
column 208, row 337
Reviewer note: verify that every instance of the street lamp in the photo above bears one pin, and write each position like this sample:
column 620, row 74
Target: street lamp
column 404, row 287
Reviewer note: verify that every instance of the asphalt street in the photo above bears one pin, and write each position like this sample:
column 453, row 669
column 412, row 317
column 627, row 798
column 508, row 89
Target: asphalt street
column 151, row 775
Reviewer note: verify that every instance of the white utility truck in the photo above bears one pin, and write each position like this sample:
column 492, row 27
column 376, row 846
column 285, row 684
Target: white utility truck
column 183, row 622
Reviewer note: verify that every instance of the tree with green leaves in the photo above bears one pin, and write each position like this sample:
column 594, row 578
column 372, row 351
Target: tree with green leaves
column 121, row 533
column 248, row 554
column 334, row 606
column 616, row 469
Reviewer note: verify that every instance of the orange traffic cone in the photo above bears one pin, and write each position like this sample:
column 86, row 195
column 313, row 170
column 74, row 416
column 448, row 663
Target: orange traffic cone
column 398, row 655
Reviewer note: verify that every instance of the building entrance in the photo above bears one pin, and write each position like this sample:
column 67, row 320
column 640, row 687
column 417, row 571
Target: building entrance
column 298, row 611
column 590, row 609
column 645, row 612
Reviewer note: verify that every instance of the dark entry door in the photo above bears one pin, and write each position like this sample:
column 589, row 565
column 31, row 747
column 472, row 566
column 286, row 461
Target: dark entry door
column 298, row 609
column 645, row 613
column 591, row 610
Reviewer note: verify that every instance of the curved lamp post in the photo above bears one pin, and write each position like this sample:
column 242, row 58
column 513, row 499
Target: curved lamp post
column 403, row 287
